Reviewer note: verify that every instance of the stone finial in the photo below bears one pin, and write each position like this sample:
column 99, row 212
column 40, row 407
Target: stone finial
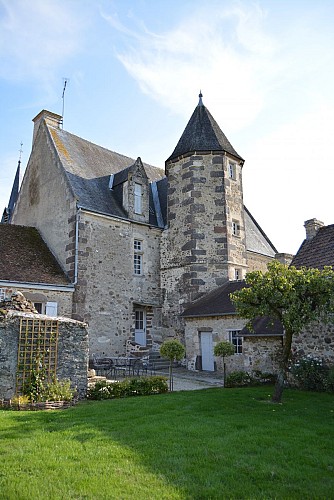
column 312, row 226
column 200, row 102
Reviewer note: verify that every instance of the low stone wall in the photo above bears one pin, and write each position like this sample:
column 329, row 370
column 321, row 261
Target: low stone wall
column 72, row 351
column 317, row 340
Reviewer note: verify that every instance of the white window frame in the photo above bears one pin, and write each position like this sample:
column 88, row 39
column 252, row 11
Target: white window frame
column 237, row 274
column 232, row 170
column 235, row 227
column 236, row 341
column 137, row 257
column 138, row 192
column 2, row 294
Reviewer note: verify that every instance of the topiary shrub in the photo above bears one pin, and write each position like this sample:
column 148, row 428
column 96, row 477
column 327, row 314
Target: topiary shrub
column 174, row 351
column 224, row 349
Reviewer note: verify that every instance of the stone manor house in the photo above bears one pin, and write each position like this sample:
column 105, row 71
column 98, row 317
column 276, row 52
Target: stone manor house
column 139, row 253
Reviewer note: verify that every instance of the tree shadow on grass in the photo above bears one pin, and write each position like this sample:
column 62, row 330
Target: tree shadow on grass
column 198, row 444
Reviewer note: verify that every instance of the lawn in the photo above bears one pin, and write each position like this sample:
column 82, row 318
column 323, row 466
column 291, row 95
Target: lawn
column 208, row 444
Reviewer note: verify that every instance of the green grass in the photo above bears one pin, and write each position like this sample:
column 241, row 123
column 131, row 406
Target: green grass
column 213, row 443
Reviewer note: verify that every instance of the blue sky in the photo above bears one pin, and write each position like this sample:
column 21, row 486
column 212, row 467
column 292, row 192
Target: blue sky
column 134, row 72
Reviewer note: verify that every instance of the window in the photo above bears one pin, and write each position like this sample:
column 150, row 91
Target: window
column 138, row 257
column 236, row 228
column 232, row 170
column 236, row 341
column 237, row 274
column 40, row 307
column 2, row 294
column 138, row 198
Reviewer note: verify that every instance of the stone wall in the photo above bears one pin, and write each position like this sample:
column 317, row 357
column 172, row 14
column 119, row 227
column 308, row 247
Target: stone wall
column 220, row 327
column 317, row 340
column 108, row 291
column 46, row 201
column 258, row 353
column 41, row 295
column 72, row 360
column 200, row 249
column 257, row 262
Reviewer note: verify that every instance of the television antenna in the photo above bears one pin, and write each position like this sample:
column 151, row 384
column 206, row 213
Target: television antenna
column 65, row 82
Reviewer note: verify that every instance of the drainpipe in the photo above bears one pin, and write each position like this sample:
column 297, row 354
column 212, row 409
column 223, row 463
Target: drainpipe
column 76, row 249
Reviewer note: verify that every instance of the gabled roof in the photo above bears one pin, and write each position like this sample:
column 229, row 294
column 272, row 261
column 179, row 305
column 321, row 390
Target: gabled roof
column 256, row 239
column 202, row 134
column 318, row 251
column 88, row 168
column 25, row 257
column 215, row 303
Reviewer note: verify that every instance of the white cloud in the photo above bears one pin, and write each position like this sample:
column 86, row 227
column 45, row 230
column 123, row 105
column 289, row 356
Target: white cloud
column 223, row 51
column 36, row 36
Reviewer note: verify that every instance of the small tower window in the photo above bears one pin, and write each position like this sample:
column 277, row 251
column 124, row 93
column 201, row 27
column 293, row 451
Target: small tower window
column 236, row 228
column 138, row 198
column 232, row 172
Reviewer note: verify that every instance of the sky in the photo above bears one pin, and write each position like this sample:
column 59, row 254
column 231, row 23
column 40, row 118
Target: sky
column 134, row 69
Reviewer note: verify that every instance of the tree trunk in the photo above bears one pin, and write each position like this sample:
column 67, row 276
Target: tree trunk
column 284, row 364
column 171, row 381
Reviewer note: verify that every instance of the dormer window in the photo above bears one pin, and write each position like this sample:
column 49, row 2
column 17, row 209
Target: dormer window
column 138, row 209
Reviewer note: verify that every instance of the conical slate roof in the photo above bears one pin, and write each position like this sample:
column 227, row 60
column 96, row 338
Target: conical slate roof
column 202, row 134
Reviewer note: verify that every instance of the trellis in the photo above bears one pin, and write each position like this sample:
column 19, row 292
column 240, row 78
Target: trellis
column 37, row 349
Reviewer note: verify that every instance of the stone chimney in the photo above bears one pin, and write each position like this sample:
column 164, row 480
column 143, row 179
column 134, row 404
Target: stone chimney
column 51, row 119
column 312, row 226
column 284, row 258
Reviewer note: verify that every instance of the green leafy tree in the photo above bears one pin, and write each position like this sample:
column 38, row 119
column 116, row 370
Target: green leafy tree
column 174, row 351
column 296, row 297
column 224, row 349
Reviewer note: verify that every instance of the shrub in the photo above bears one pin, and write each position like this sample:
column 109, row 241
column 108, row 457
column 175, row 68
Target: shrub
column 37, row 389
column 238, row 379
column 142, row 386
column 309, row 373
column 260, row 378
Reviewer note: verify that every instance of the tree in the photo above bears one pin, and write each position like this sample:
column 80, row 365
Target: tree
column 296, row 297
column 224, row 349
column 174, row 351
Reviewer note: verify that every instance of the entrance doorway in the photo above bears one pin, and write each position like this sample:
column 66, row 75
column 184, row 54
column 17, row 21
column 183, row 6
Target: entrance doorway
column 207, row 351
column 140, row 326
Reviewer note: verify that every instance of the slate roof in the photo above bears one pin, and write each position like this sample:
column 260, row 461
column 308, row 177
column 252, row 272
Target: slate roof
column 215, row 303
column 88, row 168
column 263, row 327
column 202, row 133
column 256, row 239
column 25, row 257
column 318, row 251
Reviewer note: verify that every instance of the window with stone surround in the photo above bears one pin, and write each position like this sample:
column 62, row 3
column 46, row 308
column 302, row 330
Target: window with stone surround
column 2, row 294
column 138, row 209
column 236, row 341
column 237, row 274
column 232, row 169
column 235, row 227
column 138, row 257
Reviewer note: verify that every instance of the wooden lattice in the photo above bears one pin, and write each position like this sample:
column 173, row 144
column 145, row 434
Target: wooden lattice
column 37, row 349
